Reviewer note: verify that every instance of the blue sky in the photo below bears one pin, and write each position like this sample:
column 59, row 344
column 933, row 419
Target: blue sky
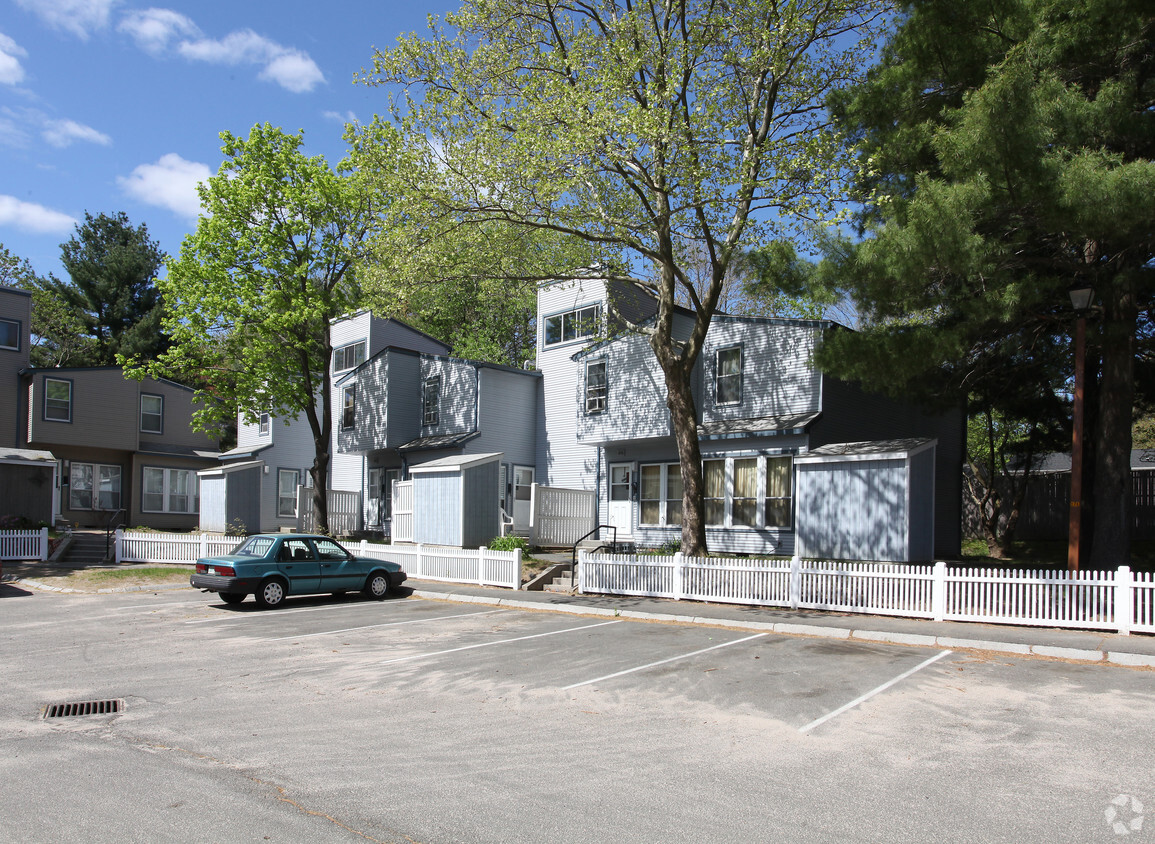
column 117, row 105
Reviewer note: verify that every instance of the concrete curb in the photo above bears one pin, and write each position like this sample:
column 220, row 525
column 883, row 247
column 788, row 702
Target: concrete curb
column 817, row 631
column 46, row 587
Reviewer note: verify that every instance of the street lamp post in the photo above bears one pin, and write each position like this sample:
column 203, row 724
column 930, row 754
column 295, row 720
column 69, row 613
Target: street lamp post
column 1081, row 297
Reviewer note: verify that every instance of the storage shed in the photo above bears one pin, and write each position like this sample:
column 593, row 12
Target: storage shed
column 867, row 501
column 230, row 497
column 455, row 500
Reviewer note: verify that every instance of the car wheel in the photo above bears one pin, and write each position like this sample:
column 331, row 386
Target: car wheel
column 232, row 597
column 271, row 593
column 377, row 586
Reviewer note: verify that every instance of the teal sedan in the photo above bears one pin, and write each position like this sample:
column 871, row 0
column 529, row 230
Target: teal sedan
column 271, row 567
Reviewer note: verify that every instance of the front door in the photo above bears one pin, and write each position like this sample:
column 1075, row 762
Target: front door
column 297, row 561
column 522, row 491
column 621, row 508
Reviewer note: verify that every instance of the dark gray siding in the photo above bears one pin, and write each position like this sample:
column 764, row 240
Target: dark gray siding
column 922, row 506
column 26, row 491
column 244, row 499
column 480, row 519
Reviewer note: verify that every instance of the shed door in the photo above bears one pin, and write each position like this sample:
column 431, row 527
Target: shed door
column 522, row 490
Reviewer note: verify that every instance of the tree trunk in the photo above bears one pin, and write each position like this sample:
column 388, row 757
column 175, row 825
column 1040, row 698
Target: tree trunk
column 684, row 417
column 1113, row 494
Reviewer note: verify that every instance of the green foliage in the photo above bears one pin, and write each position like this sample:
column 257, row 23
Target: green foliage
column 111, row 302
column 647, row 134
column 58, row 337
column 509, row 542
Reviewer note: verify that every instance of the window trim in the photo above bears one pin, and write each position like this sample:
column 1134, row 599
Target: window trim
column 431, row 417
column 349, row 407
column 738, row 376
column 341, row 353
column 296, row 473
column 19, row 334
column 95, row 491
column 48, row 380
column 663, row 501
column 560, row 316
column 596, row 403
column 160, row 429
column 761, row 501
column 166, row 490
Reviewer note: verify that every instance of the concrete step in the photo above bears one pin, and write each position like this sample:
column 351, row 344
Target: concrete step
column 86, row 548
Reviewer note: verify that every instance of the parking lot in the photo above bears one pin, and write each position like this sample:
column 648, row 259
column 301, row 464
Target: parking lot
column 420, row 720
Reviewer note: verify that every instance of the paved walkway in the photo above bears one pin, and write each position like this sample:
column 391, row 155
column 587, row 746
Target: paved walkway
column 1088, row 646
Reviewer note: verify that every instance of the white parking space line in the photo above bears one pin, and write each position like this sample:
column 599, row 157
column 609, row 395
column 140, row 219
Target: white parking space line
column 663, row 661
column 500, row 642
column 873, row 692
column 157, row 606
column 384, row 624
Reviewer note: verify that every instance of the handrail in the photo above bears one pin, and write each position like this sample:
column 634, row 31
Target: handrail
column 109, row 527
column 573, row 560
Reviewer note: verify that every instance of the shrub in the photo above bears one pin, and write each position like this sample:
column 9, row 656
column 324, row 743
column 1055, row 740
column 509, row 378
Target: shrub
column 508, row 543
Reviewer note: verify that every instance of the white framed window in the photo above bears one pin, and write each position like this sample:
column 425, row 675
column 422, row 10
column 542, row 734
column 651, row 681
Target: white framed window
column 728, row 376
column 660, row 494
column 93, row 486
column 430, row 401
column 151, row 414
column 348, row 407
column 287, row 482
column 756, row 491
column 572, row 325
column 349, row 356
column 263, row 425
column 596, row 386
column 169, row 491
column 58, row 399
column 779, row 491
column 10, row 334
column 714, row 498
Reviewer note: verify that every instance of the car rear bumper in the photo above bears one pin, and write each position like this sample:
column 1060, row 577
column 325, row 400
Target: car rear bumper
column 216, row 583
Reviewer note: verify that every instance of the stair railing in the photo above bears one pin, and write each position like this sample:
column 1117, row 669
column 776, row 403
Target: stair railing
column 573, row 560
column 110, row 527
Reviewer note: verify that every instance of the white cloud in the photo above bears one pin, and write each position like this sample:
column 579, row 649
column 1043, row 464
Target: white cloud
column 80, row 17
column 347, row 117
column 30, row 217
column 11, row 71
column 169, row 183
column 62, row 133
column 153, row 29
column 292, row 69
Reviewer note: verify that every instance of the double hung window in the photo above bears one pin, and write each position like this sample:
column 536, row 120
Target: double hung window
column 169, row 491
column 9, row 335
column 430, row 401
column 348, row 407
column 728, row 376
column 596, row 387
column 151, row 414
column 57, row 400
column 263, row 425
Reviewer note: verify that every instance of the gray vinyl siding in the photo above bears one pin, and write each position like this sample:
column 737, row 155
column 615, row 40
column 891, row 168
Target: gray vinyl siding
column 15, row 305
column 777, row 378
column 635, row 394
column 508, row 415
column 26, row 490
column 480, row 519
column 850, row 414
column 853, row 510
column 457, row 396
column 439, row 493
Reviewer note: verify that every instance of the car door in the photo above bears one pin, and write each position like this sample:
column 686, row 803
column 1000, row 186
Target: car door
column 339, row 570
column 297, row 561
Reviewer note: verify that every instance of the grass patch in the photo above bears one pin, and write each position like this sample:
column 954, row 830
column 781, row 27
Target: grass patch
column 114, row 576
column 1044, row 555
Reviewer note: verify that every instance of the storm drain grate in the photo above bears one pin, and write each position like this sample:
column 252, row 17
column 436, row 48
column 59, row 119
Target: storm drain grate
column 84, row 707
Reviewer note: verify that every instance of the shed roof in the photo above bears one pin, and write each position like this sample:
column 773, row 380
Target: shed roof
column 872, row 450
column 26, row 455
column 457, row 462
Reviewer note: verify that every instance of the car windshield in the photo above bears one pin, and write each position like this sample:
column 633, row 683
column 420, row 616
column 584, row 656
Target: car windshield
column 254, row 546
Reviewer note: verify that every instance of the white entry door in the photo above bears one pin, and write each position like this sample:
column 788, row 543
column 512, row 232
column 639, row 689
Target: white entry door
column 522, row 489
column 621, row 508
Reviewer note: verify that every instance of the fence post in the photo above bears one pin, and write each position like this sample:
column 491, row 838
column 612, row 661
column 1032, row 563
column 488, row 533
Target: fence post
column 679, row 566
column 420, row 561
column 118, row 547
column 795, row 582
column 204, row 545
column 43, row 544
column 581, row 572
column 1124, row 600
column 481, row 566
column 938, row 592
column 517, row 573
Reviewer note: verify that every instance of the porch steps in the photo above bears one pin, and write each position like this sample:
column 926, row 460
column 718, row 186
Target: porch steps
column 86, row 549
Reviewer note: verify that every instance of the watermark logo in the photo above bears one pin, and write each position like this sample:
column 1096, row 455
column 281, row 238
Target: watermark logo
column 1125, row 815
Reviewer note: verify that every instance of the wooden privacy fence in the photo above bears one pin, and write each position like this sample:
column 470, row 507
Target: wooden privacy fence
column 561, row 516
column 141, row 546
column 456, row 565
column 24, row 544
column 1118, row 600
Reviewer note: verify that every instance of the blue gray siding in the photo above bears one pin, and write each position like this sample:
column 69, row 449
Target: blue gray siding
column 853, row 510
column 437, row 499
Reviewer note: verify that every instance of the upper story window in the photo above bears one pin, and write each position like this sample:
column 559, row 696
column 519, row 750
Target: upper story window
column 9, row 334
column 349, row 356
column 728, row 376
column 430, row 401
column 151, row 414
column 57, row 400
column 263, row 425
column 348, row 407
column 572, row 325
column 596, row 386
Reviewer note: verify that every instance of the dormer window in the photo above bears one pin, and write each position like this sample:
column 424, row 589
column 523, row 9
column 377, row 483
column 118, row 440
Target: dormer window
column 596, row 386
column 572, row 325
column 430, row 401
column 349, row 356
column 728, row 376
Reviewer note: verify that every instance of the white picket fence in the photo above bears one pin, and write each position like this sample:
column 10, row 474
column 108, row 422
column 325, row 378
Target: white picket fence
column 1118, row 600
column 143, row 546
column 455, row 565
column 24, row 544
